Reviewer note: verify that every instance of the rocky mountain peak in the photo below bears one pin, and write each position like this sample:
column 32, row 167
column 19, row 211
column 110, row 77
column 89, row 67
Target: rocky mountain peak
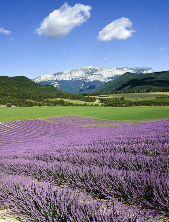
column 86, row 78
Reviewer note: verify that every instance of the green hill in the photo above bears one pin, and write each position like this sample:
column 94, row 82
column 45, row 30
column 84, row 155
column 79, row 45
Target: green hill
column 134, row 81
column 21, row 91
column 22, row 82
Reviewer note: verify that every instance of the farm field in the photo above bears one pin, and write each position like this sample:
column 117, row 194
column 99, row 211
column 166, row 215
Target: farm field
column 141, row 96
column 77, row 101
column 57, row 164
column 71, row 168
column 109, row 113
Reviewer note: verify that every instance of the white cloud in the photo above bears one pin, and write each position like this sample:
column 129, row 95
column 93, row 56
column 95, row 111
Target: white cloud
column 164, row 48
column 105, row 58
column 61, row 21
column 116, row 30
column 3, row 31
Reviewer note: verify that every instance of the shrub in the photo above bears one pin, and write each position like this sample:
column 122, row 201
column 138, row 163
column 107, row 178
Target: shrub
column 8, row 105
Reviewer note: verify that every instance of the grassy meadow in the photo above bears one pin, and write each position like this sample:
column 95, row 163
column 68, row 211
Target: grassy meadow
column 162, row 96
column 109, row 113
column 79, row 102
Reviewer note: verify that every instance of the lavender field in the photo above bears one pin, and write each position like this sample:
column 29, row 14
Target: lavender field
column 83, row 169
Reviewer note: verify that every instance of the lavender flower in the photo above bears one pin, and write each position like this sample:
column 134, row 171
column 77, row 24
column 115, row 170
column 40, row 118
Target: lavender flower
column 82, row 169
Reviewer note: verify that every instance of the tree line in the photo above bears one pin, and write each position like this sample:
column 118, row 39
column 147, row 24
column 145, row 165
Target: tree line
column 157, row 89
column 121, row 102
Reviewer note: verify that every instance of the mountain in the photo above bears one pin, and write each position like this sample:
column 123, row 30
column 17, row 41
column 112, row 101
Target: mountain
column 133, row 81
column 86, row 79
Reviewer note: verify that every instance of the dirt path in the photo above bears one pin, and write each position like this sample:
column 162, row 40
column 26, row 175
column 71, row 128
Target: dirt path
column 5, row 216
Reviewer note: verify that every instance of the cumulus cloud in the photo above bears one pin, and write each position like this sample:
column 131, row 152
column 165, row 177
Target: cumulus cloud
column 164, row 48
column 61, row 21
column 3, row 31
column 116, row 30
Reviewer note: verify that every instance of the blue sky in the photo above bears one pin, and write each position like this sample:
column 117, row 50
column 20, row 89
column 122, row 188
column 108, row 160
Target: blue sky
column 39, row 37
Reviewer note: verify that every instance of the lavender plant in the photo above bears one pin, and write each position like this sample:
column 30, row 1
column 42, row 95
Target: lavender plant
column 55, row 170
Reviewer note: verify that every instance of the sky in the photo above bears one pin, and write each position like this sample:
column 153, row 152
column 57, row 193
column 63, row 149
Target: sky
column 39, row 37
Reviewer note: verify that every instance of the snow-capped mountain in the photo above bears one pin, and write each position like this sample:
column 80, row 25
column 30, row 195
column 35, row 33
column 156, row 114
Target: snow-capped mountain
column 86, row 78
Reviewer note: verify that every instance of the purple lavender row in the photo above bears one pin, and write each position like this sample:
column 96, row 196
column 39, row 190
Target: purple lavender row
column 44, row 202
column 82, row 121
column 98, row 150
column 38, row 128
column 150, row 189
column 149, row 139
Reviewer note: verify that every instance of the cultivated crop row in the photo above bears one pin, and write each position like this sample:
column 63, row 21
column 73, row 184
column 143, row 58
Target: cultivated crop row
column 57, row 170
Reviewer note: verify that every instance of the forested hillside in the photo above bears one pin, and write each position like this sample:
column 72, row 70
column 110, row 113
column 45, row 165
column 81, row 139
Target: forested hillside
column 21, row 91
column 22, row 82
column 133, row 81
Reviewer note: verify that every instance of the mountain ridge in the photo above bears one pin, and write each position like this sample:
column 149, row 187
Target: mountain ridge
column 87, row 78
column 133, row 81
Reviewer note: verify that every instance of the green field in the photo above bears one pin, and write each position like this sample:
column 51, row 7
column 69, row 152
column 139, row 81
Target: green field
column 160, row 96
column 78, row 101
column 160, row 99
column 111, row 113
